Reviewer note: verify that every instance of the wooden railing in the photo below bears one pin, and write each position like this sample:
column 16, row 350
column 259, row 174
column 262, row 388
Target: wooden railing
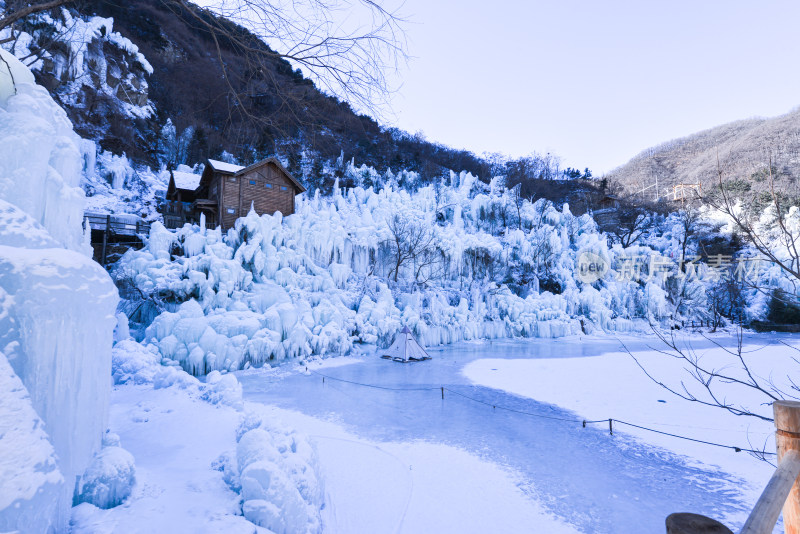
column 124, row 230
column 781, row 493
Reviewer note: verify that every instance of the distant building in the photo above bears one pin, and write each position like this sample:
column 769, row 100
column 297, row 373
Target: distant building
column 225, row 192
column 608, row 202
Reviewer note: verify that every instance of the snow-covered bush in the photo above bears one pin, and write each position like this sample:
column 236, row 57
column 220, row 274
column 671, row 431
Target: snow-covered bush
column 132, row 363
column 274, row 470
column 109, row 479
column 223, row 389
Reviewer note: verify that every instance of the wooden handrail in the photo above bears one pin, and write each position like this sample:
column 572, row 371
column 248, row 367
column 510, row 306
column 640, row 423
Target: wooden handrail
column 781, row 494
column 782, row 491
column 768, row 508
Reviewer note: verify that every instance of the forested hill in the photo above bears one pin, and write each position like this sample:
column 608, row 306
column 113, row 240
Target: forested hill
column 258, row 113
column 741, row 151
column 147, row 79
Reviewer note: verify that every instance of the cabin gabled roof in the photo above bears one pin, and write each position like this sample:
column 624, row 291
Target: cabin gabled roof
column 221, row 166
column 237, row 170
column 186, row 180
column 297, row 185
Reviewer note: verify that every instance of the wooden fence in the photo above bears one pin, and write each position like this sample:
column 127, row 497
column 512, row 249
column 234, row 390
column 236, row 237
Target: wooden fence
column 781, row 493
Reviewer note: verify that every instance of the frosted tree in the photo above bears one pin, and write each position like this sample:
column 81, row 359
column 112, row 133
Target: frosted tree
column 14, row 11
column 173, row 149
column 410, row 243
column 770, row 224
column 769, row 221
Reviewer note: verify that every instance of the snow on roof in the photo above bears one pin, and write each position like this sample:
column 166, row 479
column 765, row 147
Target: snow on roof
column 224, row 167
column 186, row 180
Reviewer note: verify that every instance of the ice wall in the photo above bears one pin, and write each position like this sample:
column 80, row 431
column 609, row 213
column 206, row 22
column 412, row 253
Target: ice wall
column 30, row 482
column 40, row 162
column 56, row 310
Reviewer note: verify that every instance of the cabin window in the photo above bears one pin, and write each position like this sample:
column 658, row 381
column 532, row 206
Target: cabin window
column 284, row 188
column 252, row 182
column 232, row 211
column 269, row 186
column 232, row 179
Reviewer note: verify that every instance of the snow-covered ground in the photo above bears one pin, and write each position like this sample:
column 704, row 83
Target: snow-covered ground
column 184, row 436
column 585, row 478
column 175, row 438
column 416, row 486
column 614, row 386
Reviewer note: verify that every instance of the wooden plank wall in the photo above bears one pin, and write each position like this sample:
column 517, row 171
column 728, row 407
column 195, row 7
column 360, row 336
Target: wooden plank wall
column 267, row 188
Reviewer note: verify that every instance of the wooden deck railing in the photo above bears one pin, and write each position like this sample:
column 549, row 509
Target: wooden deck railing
column 781, row 493
column 121, row 230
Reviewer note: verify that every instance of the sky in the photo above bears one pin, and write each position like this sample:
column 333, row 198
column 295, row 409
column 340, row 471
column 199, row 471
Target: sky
column 592, row 82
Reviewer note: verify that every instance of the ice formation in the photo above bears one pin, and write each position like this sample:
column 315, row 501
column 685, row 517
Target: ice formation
column 30, row 481
column 56, row 306
column 40, row 166
column 322, row 280
column 109, row 479
column 274, row 470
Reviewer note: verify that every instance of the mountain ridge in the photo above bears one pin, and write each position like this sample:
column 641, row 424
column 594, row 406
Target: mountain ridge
column 739, row 151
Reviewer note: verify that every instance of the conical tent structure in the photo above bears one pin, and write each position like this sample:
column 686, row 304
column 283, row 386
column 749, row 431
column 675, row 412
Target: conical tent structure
column 405, row 348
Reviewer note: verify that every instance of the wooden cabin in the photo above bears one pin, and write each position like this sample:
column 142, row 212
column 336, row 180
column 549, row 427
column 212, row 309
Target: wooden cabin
column 226, row 192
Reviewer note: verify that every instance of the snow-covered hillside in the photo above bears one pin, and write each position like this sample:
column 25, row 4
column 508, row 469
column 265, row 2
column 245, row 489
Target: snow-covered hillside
column 56, row 312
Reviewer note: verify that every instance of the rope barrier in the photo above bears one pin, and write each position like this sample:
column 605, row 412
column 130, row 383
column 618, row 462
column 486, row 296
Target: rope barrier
column 583, row 422
column 512, row 409
column 387, row 388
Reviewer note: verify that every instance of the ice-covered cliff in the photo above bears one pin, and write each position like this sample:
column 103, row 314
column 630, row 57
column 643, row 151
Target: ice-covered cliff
column 56, row 312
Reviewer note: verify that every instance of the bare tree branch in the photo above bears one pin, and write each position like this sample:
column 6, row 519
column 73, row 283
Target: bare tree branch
column 710, row 377
column 18, row 10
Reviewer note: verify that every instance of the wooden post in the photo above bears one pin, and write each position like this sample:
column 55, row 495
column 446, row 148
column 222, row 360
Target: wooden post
column 105, row 241
column 787, row 438
column 443, row 392
column 782, row 491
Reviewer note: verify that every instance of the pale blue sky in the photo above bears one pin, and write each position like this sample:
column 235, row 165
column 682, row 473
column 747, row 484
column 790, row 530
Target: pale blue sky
column 594, row 82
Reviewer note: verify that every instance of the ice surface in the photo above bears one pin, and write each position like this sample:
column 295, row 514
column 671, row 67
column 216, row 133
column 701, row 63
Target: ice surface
column 596, row 482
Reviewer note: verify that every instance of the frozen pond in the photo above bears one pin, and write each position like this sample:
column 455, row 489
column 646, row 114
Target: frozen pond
column 597, row 482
